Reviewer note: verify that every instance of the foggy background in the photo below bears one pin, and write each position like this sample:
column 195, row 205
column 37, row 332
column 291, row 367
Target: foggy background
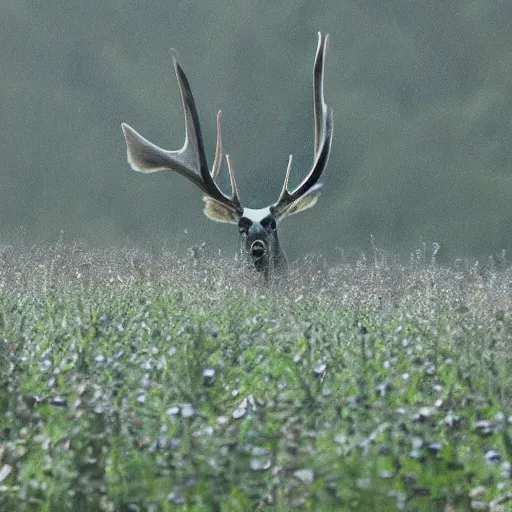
column 422, row 100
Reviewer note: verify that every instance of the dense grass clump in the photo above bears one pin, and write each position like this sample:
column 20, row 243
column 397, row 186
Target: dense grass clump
column 141, row 381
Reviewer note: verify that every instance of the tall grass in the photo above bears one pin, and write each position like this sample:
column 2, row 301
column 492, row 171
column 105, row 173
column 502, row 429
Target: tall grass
column 138, row 380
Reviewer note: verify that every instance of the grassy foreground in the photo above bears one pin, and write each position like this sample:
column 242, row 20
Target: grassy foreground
column 134, row 381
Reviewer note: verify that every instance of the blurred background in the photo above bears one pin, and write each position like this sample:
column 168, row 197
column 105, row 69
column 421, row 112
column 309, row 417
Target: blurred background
column 422, row 99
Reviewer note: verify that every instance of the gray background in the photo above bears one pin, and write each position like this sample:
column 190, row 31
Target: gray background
column 422, row 99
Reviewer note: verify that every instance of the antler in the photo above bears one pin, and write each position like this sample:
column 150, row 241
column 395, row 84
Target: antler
column 306, row 193
column 190, row 160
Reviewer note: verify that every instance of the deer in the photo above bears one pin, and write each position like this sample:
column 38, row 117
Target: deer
column 259, row 243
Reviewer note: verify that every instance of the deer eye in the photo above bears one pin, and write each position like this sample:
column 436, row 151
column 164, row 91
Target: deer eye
column 269, row 223
column 244, row 224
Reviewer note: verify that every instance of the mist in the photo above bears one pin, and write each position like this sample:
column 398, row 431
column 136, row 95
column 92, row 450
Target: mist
column 421, row 94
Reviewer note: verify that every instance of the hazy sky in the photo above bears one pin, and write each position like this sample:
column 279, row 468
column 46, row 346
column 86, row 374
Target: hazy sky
column 422, row 99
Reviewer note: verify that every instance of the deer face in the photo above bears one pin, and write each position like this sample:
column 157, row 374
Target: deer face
column 257, row 227
column 258, row 238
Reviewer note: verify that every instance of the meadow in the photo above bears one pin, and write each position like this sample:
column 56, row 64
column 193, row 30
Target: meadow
column 140, row 380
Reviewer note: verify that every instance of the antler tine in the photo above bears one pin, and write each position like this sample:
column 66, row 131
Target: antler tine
column 323, row 137
column 218, row 150
column 234, row 188
column 284, row 190
column 318, row 89
column 218, row 161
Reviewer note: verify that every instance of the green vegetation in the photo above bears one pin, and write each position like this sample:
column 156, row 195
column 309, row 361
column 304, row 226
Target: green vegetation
column 136, row 381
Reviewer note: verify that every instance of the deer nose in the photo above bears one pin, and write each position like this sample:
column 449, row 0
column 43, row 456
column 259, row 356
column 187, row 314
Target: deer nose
column 258, row 249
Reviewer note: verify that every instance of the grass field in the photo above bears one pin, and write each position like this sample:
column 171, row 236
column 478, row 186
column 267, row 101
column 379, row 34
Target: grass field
column 139, row 381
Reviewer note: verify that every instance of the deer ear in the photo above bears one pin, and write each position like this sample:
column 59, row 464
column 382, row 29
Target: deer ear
column 218, row 211
column 302, row 203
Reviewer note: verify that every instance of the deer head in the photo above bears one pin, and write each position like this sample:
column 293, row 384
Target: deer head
column 257, row 227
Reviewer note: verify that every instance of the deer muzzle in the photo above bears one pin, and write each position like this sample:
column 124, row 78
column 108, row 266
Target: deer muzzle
column 259, row 254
